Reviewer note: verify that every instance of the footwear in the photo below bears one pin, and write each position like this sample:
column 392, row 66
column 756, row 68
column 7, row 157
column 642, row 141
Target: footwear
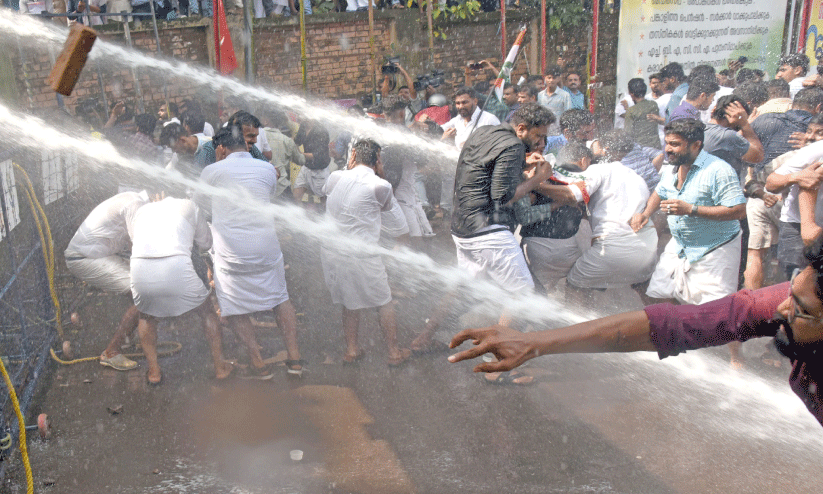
column 351, row 359
column 511, row 378
column 118, row 362
column 300, row 365
column 259, row 374
column 405, row 354
column 433, row 346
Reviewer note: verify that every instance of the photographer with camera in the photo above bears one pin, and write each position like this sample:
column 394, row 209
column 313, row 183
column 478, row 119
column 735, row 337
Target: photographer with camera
column 389, row 70
column 426, row 86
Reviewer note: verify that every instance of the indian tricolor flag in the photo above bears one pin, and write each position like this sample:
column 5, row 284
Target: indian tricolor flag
column 506, row 71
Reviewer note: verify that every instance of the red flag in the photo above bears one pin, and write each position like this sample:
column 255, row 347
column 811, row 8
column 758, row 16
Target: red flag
column 224, row 57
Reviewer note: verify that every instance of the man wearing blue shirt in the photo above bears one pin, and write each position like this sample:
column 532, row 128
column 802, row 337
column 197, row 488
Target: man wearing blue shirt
column 572, row 87
column 702, row 197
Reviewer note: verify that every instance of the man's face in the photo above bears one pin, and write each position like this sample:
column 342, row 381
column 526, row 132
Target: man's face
column 573, row 82
column 509, row 96
column 804, row 300
column 524, row 97
column 681, row 152
column 540, row 84
column 465, row 105
column 671, row 83
column 179, row 146
column 654, row 85
column 551, row 82
column 161, row 113
column 534, row 138
column 250, row 135
column 814, row 133
column 405, row 93
column 787, row 72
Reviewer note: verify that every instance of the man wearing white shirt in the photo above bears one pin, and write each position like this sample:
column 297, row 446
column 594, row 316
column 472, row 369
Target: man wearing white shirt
column 469, row 118
column 619, row 256
column 789, row 178
column 792, row 69
column 361, row 204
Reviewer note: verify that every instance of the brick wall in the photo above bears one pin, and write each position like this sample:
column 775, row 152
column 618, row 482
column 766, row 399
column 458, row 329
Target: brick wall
column 337, row 51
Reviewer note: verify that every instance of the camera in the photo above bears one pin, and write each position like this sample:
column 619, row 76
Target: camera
column 475, row 66
column 742, row 60
column 390, row 67
column 433, row 79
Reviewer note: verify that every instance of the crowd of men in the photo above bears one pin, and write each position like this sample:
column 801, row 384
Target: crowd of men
column 704, row 178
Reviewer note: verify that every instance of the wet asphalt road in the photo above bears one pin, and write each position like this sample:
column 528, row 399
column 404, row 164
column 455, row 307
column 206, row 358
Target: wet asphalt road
column 604, row 424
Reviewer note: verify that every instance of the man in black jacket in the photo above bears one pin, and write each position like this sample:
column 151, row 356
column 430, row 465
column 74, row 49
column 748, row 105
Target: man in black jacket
column 487, row 184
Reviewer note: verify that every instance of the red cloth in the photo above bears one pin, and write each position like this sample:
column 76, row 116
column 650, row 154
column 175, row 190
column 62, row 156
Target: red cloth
column 225, row 61
column 439, row 114
column 737, row 317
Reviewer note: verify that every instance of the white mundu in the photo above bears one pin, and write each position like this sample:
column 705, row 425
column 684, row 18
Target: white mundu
column 618, row 256
column 163, row 280
column 361, row 204
column 249, row 274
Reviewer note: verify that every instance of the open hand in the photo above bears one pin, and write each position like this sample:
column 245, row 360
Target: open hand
column 512, row 348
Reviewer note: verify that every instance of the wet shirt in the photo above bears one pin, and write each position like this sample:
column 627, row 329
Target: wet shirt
column 794, row 162
column 169, row 228
column 737, row 317
column 616, row 194
column 710, row 182
column 241, row 234
column 361, row 204
column 106, row 230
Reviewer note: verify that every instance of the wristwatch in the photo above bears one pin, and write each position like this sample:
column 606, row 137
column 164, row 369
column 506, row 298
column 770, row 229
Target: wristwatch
column 693, row 212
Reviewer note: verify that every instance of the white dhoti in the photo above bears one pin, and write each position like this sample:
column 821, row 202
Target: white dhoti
column 713, row 276
column 355, row 282
column 244, row 288
column 312, row 180
column 551, row 259
column 166, row 286
column 616, row 261
column 110, row 274
column 497, row 256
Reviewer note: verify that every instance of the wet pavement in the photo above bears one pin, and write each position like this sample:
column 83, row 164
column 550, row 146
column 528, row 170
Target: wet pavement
column 591, row 424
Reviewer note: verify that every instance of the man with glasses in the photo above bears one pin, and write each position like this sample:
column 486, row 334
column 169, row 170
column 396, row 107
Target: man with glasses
column 791, row 312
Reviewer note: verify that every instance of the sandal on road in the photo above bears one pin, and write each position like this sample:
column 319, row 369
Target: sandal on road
column 295, row 368
column 514, row 378
column 118, row 362
column 258, row 374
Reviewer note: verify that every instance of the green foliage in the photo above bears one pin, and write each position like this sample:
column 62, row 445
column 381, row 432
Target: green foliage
column 463, row 10
column 565, row 13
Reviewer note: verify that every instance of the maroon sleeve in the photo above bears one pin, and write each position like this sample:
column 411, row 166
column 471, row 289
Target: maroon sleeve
column 737, row 317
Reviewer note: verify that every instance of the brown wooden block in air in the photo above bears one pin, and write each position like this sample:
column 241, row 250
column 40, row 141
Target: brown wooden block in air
column 70, row 63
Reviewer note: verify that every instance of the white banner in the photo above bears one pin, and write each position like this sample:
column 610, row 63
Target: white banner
column 654, row 33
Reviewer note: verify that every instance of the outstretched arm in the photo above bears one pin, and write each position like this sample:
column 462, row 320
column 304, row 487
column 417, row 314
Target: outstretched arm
column 627, row 332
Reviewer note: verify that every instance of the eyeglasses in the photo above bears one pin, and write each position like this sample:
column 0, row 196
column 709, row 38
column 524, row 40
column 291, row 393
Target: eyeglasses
column 797, row 311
